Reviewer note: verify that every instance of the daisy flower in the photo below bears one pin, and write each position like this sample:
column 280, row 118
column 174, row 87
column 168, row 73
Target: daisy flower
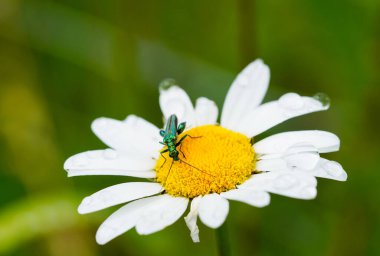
column 220, row 162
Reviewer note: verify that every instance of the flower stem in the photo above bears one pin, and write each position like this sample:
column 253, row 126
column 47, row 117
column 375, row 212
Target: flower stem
column 223, row 241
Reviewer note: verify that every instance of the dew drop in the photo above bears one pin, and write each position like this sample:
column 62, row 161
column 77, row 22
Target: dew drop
column 167, row 83
column 304, row 156
column 306, row 161
column 110, row 154
column 291, row 101
column 322, row 98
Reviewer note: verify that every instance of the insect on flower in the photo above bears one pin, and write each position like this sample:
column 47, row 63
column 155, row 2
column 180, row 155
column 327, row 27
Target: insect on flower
column 170, row 135
column 211, row 162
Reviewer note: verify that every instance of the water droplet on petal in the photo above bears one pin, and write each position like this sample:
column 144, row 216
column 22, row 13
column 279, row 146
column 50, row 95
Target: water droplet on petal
column 323, row 99
column 285, row 182
column 110, row 154
column 167, row 83
column 305, row 161
column 291, row 101
column 303, row 156
column 333, row 168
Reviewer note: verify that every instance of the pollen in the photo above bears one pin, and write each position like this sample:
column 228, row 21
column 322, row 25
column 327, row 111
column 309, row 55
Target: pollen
column 212, row 159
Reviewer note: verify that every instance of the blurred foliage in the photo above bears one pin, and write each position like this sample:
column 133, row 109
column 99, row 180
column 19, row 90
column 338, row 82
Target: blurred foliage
column 64, row 63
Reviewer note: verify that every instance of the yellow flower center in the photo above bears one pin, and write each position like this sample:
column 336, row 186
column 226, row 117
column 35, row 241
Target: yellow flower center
column 212, row 159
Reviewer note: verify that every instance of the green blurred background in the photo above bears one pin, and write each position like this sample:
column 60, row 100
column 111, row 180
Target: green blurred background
column 65, row 63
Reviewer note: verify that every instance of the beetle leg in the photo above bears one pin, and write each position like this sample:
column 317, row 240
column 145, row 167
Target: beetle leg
column 167, row 176
column 180, row 141
column 180, row 150
column 161, row 153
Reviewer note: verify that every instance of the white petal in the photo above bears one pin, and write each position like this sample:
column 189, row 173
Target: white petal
column 191, row 219
column 118, row 194
column 281, row 164
column 324, row 168
column 213, row 210
column 252, row 197
column 279, row 143
column 206, row 111
column 148, row 215
column 245, row 94
column 125, row 137
column 272, row 113
column 302, row 155
column 328, row 169
column 306, row 161
column 161, row 214
column 175, row 100
column 109, row 162
column 138, row 174
column 123, row 219
column 294, row 184
column 270, row 165
column 149, row 129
